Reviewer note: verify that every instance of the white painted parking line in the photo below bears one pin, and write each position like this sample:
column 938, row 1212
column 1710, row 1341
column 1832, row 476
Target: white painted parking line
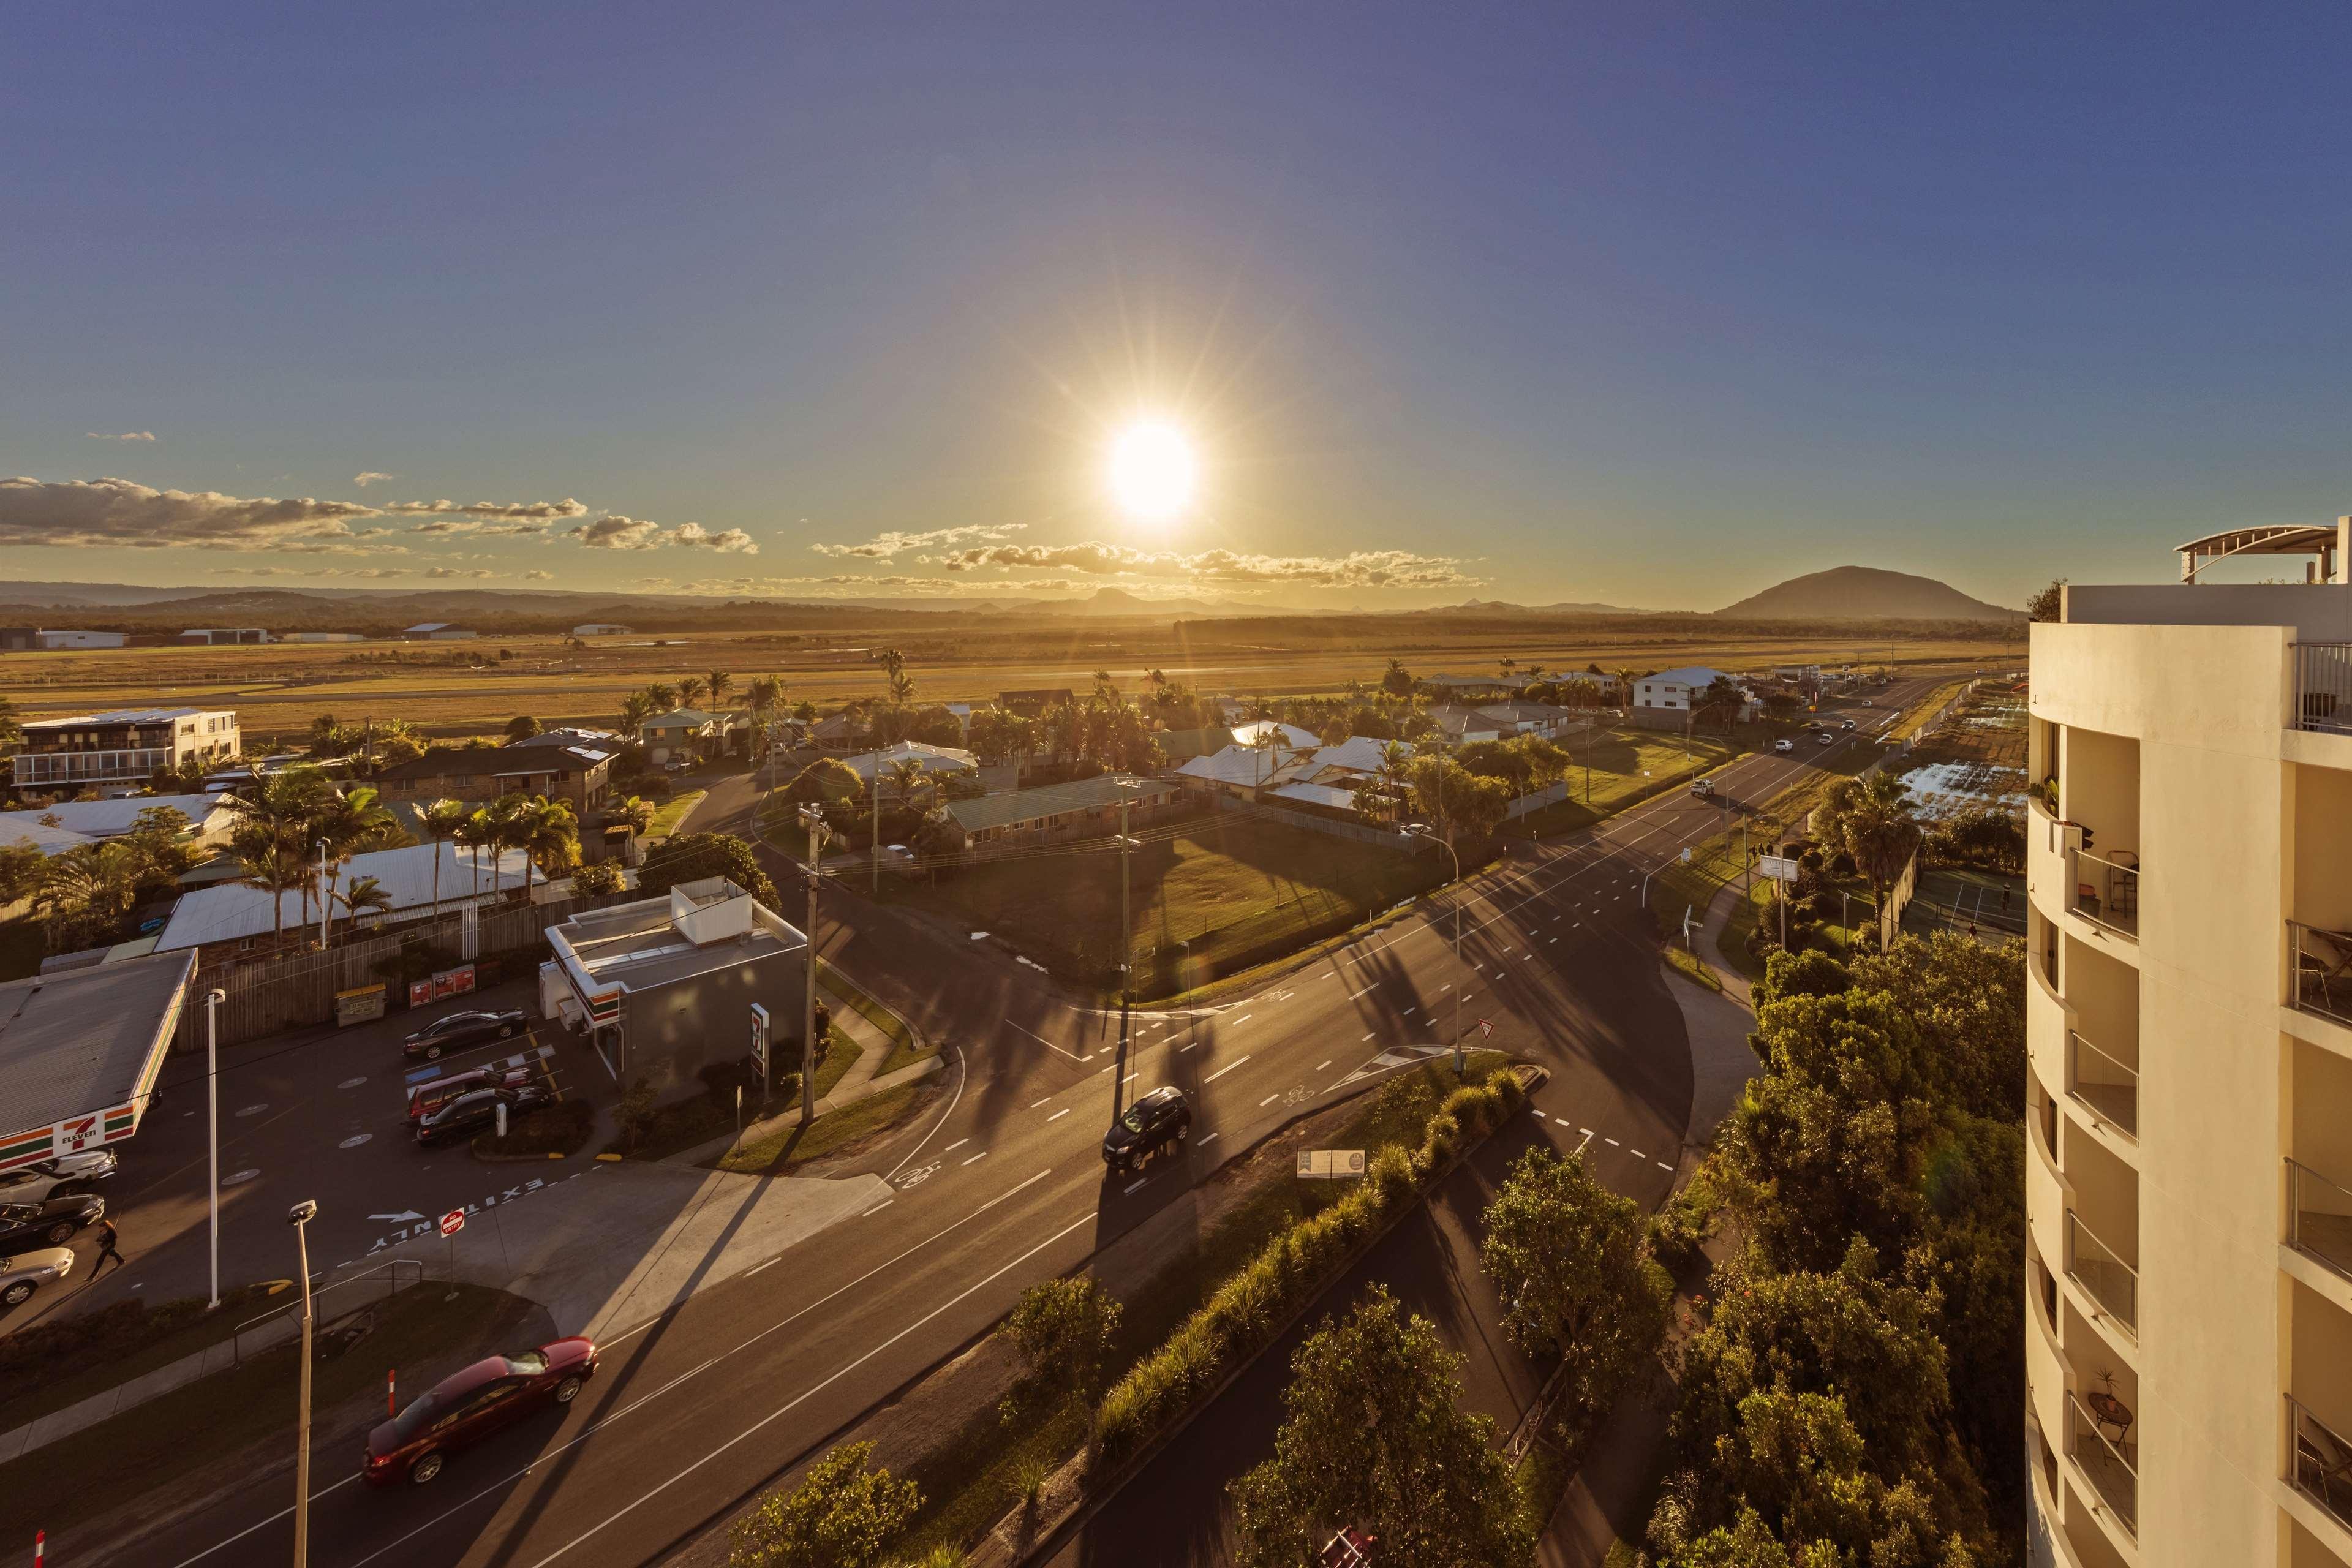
column 1059, row 1114
column 977, row 1158
column 1224, row 1069
column 1662, row 1165
column 1613, row 1142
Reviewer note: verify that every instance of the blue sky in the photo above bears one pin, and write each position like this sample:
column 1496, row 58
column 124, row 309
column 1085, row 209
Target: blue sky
column 1653, row 306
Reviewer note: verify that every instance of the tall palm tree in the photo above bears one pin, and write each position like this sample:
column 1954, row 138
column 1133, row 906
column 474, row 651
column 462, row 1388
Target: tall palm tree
column 442, row 820
column 635, row 709
column 637, row 811
column 719, row 684
column 764, row 694
column 909, row 779
column 269, row 866
column 364, row 893
column 548, row 834
column 689, row 691
column 663, row 698
column 1880, row 832
column 282, row 812
column 1624, row 687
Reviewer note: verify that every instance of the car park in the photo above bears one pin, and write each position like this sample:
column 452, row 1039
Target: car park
column 57, row 1176
column 50, row 1223
column 1156, row 1120
column 461, row 1029
column 478, row 1112
column 25, row 1272
column 468, row 1407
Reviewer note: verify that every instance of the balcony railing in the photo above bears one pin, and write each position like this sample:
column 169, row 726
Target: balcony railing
column 2104, row 1084
column 2107, row 889
column 2101, row 1271
column 2322, row 1461
column 78, row 767
column 2319, row 1217
column 2323, row 970
column 2110, row 1464
column 2323, row 687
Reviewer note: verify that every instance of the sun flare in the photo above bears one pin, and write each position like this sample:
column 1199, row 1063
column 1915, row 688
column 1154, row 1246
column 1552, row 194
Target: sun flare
column 1152, row 471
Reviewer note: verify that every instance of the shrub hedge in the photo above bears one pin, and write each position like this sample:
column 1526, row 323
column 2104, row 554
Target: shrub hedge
column 1251, row 1307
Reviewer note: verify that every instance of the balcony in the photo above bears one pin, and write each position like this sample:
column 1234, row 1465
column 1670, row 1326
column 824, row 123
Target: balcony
column 33, row 769
column 2319, row 1217
column 2111, row 1465
column 2323, row 970
column 2321, row 1462
column 2323, row 687
column 2102, row 1273
column 2110, row 1090
column 2106, row 890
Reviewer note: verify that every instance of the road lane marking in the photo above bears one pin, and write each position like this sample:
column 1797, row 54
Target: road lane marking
column 1035, row 1103
column 1244, row 1019
column 1324, row 1063
column 1613, row 1142
column 1059, row 1114
column 1662, row 1165
column 1224, row 1069
column 1136, row 1187
column 956, row 1145
column 1046, row 1043
column 977, row 1158
column 877, row 1208
column 1365, row 992
column 1211, row 1139
column 1368, row 1037
column 1181, row 1049
column 1636, row 1153
column 1269, row 1100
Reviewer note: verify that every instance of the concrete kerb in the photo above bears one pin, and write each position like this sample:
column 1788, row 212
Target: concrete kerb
column 1004, row 1545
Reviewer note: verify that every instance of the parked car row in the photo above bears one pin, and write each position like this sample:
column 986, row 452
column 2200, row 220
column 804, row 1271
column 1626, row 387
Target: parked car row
column 458, row 1030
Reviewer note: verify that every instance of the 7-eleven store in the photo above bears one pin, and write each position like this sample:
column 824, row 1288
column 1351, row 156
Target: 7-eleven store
column 80, row 1052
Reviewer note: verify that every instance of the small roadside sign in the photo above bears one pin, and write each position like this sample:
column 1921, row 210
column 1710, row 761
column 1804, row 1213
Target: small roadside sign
column 1330, row 1165
column 453, row 1222
column 1777, row 868
column 1486, row 1027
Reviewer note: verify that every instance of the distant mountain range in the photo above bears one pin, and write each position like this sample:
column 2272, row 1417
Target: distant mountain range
column 1865, row 593
column 1566, row 607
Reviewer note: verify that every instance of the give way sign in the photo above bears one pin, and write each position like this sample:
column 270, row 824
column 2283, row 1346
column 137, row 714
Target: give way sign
column 453, row 1222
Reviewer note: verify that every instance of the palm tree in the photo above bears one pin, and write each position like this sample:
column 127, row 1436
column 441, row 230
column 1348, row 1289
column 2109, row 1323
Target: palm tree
column 689, row 691
column 276, row 821
column 909, row 778
column 548, row 834
column 764, row 693
column 270, row 867
column 635, row 709
column 1624, row 687
column 1880, row 833
column 441, row 819
column 720, row 683
column 636, row 812
column 364, row 893
column 664, row 699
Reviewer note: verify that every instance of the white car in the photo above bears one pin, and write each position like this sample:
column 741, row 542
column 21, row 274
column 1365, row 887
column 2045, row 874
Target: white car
column 1784, row 745
column 1702, row 787
column 65, row 1173
column 27, row 1271
column 1828, row 739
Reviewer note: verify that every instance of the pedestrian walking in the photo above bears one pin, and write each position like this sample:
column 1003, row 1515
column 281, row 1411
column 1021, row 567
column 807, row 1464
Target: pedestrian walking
column 106, row 1247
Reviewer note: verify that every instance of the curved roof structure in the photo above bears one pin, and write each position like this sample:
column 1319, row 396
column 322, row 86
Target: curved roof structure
column 2269, row 539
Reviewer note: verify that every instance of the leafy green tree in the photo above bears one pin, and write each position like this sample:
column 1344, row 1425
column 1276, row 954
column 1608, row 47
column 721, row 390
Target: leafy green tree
column 1461, row 806
column 690, row 857
column 1397, row 681
column 521, row 727
column 1372, row 1437
column 598, row 878
column 2049, row 603
column 842, row 1515
column 1064, row 1329
column 1568, row 1257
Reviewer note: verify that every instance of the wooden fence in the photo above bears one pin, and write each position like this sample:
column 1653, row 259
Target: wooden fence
column 299, row 989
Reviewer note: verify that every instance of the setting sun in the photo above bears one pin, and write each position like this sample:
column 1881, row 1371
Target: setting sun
column 1152, row 471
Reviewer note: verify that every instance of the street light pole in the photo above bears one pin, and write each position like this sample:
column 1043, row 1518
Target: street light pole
column 1458, row 980
column 1126, row 954
column 1192, row 1003
column 323, row 906
column 814, row 819
column 300, row 1217
column 213, row 999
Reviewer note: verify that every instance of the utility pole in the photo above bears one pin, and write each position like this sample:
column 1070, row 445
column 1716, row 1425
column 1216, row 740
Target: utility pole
column 1125, row 952
column 323, row 905
column 815, row 818
column 213, row 999
column 299, row 1217
column 874, row 848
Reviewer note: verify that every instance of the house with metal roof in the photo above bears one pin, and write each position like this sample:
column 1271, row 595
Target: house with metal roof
column 232, row 920
column 1084, row 808
column 80, row 1052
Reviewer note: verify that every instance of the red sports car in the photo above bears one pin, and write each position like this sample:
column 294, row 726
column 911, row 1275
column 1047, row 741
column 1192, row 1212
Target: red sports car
column 468, row 1407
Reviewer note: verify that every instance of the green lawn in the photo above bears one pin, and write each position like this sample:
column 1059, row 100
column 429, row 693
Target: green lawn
column 785, row 1148
column 680, row 1126
column 64, row 1360
column 1244, row 891
column 1625, row 766
column 666, row 819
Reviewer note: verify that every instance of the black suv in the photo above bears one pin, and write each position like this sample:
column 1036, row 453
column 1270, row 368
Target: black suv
column 51, row 1223
column 1151, row 1123
column 460, row 1029
column 471, row 1113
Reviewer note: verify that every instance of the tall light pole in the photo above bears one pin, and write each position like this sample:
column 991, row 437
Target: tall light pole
column 213, row 999
column 814, row 819
column 323, row 905
column 1125, row 950
column 1192, row 1003
column 299, row 1217
column 1412, row 830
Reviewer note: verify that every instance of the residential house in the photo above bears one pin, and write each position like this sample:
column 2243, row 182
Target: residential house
column 1668, row 698
column 669, row 988
column 579, row 773
column 1240, row 772
column 1180, row 746
column 842, row 731
column 933, row 760
column 1266, row 732
column 69, row 823
column 1464, row 726
column 1086, row 808
column 436, row 631
column 231, row 920
column 1532, row 718
column 122, row 748
column 1454, row 688
column 204, row 636
column 24, row 639
column 684, row 734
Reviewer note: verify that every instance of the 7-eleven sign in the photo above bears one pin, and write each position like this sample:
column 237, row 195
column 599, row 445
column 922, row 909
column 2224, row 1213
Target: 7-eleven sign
column 72, row 1135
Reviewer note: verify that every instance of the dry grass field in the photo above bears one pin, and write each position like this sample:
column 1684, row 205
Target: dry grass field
column 279, row 687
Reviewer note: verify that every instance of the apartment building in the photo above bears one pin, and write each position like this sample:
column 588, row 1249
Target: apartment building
column 2189, row 1128
column 120, row 749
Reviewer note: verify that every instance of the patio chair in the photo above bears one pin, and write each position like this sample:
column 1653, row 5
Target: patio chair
column 2327, row 967
column 2321, row 1462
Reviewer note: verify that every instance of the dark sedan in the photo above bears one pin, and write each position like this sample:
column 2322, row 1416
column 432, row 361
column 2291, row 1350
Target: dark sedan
column 468, row 1407
column 459, row 1030
column 478, row 1112
column 51, row 1223
column 1153, row 1122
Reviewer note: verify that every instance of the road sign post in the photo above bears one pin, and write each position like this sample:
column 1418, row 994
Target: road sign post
column 451, row 1224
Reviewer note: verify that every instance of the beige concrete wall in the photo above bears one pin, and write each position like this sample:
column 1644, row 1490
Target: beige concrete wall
column 2321, row 862
column 2193, row 716
column 2104, row 992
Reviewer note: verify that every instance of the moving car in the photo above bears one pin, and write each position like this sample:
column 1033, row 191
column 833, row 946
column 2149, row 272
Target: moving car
column 1829, row 738
column 52, row 1221
column 1866, row 703
column 1702, row 787
column 1849, row 724
column 26, row 1272
column 1152, row 1123
column 468, row 1407
column 460, row 1029
column 56, row 1177
column 1784, row 745
column 478, row 1112
column 441, row 1091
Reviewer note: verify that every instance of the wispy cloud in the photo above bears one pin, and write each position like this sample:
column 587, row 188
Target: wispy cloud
column 369, row 477
column 890, row 545
column 617, row 532
column 1359, row 569
column 125, row 436
column 536, row 575
column 118, row 512
column 544, row 511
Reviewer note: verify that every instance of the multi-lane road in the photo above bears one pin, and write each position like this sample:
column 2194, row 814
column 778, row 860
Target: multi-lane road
column 1005, row 1186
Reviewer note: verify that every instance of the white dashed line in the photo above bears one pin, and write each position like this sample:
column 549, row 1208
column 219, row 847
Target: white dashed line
column 1136, row 1187
column 1662, row 1165
column 1586, row 1130
column 1211, row 1139
column 1224, row 1069
column 977, row 1158
column 1059, row 1114
column 1244, row 1019
column 1365, row 992
column 1613, row 1142
column 1035, row 1103
column 1636, row 1153
column 1368, row 1037
column 956, row 1145
column 1269, row 1100
column 1324, row 1063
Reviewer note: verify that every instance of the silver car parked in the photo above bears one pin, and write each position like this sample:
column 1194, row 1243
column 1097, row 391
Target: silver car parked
column 27, row 1271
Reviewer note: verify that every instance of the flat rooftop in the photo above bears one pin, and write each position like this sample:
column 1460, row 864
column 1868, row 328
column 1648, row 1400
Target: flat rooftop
column 695, row 927
column 124, row 716
column 84, row 1040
